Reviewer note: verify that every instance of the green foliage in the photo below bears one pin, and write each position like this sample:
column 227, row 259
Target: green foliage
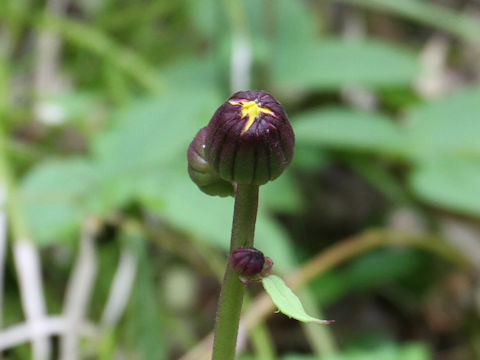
column 145, row 320
column 426, row 13
column 286, row 301
column 449, row 183
column 362, row 274
column 385, row 352
column 57, row 195
column 439, row 139
column 285, row 13
column 98, row 43
column 331, row 63
column 446, row 127
column 137, row 81
column 348, row 129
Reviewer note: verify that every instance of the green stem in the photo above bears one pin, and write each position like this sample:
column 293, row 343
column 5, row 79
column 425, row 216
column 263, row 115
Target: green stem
column 231, row 296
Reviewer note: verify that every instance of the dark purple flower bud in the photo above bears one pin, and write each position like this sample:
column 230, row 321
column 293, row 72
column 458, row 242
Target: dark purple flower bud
column 250, row 139
column 200, row 171
column 247, row 261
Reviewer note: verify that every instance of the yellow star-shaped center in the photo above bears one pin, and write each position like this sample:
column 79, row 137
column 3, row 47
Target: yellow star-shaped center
column 252, row 110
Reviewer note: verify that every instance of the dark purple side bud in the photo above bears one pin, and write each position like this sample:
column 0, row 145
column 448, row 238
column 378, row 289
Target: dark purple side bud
column 249, row 138
column 247, row 261
column 201, row 172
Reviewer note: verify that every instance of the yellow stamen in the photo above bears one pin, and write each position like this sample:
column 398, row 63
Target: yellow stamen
column 252, row 110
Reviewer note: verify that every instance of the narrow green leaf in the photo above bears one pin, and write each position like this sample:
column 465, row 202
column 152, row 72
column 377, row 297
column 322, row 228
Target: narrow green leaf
column 286, row 301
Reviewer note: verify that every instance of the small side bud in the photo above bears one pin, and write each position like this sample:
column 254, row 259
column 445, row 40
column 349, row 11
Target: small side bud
column 249, row 139
column 201, row 172
column 250, row 264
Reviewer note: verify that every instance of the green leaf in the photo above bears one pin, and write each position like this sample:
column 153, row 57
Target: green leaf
column 451, row 183
column 347, row 129
column 56, row 195
column 286, row 301
column 445, row 127
column 330, row 64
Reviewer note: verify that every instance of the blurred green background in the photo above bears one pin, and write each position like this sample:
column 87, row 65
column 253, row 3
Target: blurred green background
column 98, row 103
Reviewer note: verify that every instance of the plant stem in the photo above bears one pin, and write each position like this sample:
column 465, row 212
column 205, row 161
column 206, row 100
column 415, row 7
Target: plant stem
column 231, row 295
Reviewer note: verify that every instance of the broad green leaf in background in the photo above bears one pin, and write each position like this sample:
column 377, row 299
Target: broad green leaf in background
column 330, row 64
column 348, row 129
column 451, row 183
column 286, row 301
column 57, row 195
column 448, row 126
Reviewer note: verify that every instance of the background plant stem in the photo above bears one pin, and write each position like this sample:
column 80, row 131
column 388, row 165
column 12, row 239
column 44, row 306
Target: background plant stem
column 231, row 296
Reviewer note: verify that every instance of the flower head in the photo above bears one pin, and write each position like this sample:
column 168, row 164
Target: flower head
column 249, row 139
